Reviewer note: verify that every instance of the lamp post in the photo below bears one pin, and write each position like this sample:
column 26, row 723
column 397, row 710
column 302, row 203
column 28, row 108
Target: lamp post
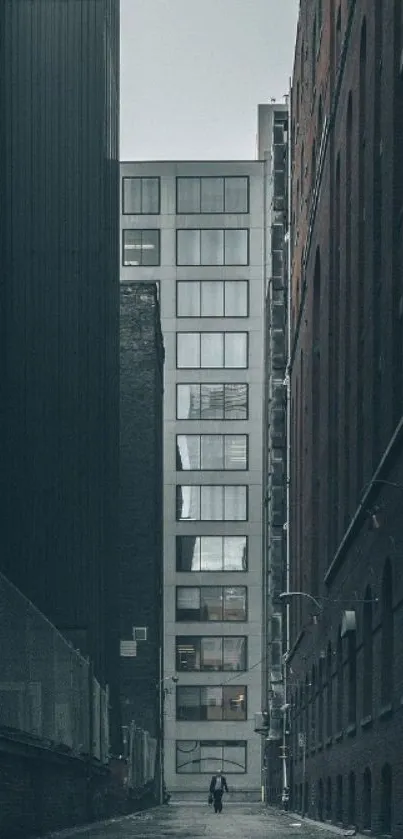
column 286, row 596
column 162, row 692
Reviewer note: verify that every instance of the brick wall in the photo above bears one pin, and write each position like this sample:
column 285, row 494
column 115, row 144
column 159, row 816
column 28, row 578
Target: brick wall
column 347, row 382
column 140, row 499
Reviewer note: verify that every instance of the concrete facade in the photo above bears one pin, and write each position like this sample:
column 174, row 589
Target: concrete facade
column 346, row 504
column 209, row 740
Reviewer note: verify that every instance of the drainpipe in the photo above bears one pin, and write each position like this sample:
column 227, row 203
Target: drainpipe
column 288, row 466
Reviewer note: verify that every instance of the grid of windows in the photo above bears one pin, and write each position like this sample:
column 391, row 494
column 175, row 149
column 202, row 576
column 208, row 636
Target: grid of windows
column 212, row 451
column 210, row 756
column 212, row 299
column 201, row 350
column 211, row 502
column 212, row 195
column 211, row 553
column 212, row 246
column 212, row 401
column 211, row 653
column 141, row 196
column 211, row 703
column 211, row 603
column 141, row 247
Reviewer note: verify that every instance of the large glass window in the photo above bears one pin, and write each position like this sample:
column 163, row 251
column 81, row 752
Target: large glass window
column 207, row 757
column 212, row 195
column 211, row 603
column 212, row 299
column 211, row 553
column 211, row 704
column 211, row 502
column 212, row 401
column 211, row 653
column 141, row 196
column 212, row 451
column 141, row 247
column 212, row 247
column 213, row 350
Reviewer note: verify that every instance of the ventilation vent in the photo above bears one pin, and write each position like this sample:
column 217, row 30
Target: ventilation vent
column 128, row 649
column 140, row 633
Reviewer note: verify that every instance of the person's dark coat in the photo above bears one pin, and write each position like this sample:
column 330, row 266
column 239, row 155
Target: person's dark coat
column 223, row 788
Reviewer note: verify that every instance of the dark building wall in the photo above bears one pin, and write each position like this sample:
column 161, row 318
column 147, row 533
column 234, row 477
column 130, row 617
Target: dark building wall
column 140, row 500
column 59, row 305
column 347, row 408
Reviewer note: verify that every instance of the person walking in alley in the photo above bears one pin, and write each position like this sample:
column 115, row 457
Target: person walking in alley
column 217, row 786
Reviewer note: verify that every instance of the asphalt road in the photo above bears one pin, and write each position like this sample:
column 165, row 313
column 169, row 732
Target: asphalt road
column 191, row 821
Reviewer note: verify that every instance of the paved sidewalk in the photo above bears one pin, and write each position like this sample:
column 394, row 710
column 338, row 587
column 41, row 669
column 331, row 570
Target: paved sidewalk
column 193, row 821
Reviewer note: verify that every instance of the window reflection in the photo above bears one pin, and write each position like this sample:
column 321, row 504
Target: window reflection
column 141, row 247
column 212, row 350
column 208, row 703
column 212, row 194
column 212, row 246
column 211, row 603
column 212, row 451
column 212, row 653
column 212, row 401
column 211, row 502
column 212, row 298
column 212, row 553
column 141, row 196
column 210, row 756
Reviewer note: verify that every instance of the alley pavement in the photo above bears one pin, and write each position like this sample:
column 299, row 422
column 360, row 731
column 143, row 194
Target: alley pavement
column 194, row 820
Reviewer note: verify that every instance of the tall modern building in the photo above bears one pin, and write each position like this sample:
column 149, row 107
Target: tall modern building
column 196, row 229
column 59, row 308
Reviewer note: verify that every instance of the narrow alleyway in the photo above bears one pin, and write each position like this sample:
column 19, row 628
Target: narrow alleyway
column 192, row 821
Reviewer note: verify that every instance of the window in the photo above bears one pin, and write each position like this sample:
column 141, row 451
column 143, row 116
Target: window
column 141, row 247
column 210, row 756
column 387, row 640
column 211, row 553
column 386, row 800
column 214, row 350
column 368, row 655
column 352, row 678
column 211, row 503
column 141, row 196
column 211, row 603
column 329, row 680
column 212, row 195
column 351, row 799
column 212, row 451
column 212, row 401
column 340, row 684
column 212, row 299
column 212, row 247
column 211, row 653
column 367, row 800
column 208, row 703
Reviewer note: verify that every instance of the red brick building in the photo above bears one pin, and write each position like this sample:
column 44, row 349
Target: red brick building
column 346, row 661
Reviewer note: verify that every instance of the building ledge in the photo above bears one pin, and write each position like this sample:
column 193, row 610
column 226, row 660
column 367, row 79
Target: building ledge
column 367, row 721
column 386, row 711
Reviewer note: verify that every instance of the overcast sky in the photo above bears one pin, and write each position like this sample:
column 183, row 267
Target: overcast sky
column 193, row 72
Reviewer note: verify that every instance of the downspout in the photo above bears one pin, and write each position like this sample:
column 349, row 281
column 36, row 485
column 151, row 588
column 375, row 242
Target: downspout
column 288, row 462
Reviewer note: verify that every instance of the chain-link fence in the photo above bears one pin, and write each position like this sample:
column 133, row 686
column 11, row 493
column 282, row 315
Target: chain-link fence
column 46, row 688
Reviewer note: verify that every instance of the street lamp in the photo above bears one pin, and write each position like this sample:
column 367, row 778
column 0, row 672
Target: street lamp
column 162, row 692
column 286, row 595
